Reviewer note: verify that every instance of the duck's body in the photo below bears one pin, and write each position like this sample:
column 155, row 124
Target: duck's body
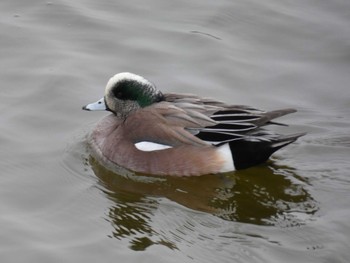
column 179, row 134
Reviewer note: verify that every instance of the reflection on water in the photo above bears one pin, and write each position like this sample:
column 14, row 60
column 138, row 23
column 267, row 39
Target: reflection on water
column 263, row 195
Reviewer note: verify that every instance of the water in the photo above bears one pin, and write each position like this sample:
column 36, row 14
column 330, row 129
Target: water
column 58, row 204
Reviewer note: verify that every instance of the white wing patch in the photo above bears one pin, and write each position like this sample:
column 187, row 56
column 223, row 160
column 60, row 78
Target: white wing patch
column 151, row 146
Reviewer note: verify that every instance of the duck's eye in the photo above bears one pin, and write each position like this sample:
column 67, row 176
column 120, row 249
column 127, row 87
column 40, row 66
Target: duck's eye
column 125, row 90
column 119, row 95
column 99, row 102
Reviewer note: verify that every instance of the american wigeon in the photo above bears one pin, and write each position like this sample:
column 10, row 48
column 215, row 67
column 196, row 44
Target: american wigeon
column 180, row 134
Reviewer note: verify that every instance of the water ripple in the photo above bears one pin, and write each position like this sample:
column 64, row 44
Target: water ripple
column 169, row 211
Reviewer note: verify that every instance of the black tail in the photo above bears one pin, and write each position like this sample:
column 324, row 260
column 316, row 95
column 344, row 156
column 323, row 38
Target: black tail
column 247, row 153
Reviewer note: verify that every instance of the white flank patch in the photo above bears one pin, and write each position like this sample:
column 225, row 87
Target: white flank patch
column 225, row 153
column 151, row 146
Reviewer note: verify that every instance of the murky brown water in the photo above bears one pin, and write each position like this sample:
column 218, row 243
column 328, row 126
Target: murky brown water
column 58, row 204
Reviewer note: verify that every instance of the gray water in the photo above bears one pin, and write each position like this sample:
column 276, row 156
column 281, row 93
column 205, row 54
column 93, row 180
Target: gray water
column 57, row 204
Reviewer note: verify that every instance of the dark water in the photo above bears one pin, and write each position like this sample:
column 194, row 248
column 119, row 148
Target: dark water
column 59, row 205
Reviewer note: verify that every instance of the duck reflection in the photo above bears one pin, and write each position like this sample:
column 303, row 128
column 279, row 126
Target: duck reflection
column 264, row 195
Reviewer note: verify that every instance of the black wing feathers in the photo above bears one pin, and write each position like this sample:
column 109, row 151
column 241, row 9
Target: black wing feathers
column 239, row 123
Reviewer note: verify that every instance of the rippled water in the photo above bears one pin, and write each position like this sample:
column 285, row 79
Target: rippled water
column 59, row 204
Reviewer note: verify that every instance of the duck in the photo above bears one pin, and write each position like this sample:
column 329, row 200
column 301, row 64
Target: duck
column 172, row 134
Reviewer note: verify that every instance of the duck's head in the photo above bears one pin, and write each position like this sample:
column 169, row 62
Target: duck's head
column 125, row 93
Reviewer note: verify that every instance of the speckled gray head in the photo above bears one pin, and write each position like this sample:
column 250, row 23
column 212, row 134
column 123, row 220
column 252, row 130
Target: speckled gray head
column 126, row 92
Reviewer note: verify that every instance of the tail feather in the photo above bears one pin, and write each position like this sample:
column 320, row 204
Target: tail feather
column 270, row 115
column 247, row 153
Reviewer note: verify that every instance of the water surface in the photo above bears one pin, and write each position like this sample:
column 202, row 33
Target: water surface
column 58, row 204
